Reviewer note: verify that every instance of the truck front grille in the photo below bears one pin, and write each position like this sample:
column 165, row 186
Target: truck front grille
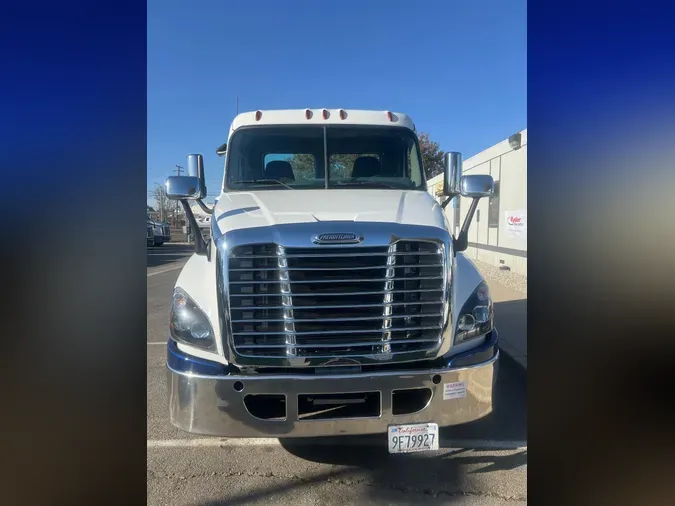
column 325, row 302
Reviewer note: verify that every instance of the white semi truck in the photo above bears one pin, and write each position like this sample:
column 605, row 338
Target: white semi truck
column 331, row 297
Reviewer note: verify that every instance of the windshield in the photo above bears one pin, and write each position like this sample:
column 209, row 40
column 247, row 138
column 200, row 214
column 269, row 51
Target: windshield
column 294, row 157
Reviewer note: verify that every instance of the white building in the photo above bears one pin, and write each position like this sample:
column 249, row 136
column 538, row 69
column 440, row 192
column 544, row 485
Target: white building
column 498, row 233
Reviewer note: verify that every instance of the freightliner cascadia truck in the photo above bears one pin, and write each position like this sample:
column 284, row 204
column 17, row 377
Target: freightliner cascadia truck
column 331, row 296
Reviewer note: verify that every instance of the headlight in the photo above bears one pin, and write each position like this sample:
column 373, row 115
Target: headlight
column 188, row 324
column 476, row 317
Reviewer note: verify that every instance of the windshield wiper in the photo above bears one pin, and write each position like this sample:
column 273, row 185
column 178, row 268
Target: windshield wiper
column 361, row 182
column 262, row 181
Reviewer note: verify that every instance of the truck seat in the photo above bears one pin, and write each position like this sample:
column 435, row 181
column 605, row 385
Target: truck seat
column 279, row 169
column 366, row 166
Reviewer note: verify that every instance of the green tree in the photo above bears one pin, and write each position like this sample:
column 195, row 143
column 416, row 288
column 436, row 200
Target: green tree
column 432, row 156
column 303, row 166
column 341, row 165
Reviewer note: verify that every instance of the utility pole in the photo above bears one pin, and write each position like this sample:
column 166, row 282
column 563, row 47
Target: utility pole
column 179, row 169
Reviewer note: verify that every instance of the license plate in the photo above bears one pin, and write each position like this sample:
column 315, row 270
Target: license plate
column 418, row 437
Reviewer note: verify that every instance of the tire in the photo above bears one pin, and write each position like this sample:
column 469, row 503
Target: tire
column 158, row 243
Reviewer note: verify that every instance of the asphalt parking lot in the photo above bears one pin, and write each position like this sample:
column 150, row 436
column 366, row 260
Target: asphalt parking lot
column 484, row 463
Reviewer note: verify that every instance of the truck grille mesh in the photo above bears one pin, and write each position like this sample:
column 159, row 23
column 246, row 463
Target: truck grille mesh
column 335, row 301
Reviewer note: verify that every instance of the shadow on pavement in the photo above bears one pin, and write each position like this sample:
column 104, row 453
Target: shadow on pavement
column 511, row 321
column 441, row 477
column 265, row 495
column 502, row 463
column 167, row 254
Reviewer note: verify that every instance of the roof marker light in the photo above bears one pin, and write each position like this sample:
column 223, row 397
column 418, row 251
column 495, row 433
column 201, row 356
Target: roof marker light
column 308, row 114
column 343, row 114
column 258, row 115
column 325, row 114
column 390, row 116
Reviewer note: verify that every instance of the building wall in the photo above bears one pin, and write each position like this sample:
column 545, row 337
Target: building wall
column 496, row 245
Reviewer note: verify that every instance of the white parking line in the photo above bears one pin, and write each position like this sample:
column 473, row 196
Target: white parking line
column 165, row 269
column 484, row 444
column 163, row 343
column 198, row 443
column 469, row 444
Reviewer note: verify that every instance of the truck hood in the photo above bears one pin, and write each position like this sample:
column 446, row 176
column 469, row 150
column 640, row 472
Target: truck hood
column 280, row 207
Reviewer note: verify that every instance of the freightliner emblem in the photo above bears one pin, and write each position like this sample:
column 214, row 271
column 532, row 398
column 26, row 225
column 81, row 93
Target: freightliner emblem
column 337, row 239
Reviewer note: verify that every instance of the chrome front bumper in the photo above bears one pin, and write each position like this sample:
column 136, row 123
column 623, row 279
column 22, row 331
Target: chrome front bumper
column 209, row 404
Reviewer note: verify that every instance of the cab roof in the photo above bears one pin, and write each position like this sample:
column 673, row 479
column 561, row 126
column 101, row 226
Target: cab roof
column 322, row 117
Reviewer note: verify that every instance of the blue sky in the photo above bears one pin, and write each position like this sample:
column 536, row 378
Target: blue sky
column 458, row 68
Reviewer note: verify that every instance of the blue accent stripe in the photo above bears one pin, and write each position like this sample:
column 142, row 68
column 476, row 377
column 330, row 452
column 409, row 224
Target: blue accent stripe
column 182, row 362
column 489, row 347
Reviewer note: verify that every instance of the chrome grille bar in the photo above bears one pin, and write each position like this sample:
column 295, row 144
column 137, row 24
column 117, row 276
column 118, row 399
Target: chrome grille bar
column 342, row 293
column 337, row 332
column 338, row 345
column 321, row 268
column 345, row 306
column 340, row 255
column 287, row 302
column 351, row 318
column 376, row 280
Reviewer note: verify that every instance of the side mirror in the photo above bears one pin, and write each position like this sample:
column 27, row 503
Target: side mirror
column 474, row 187
column 222, row 149
column 477, row 186
column 190, row 187
column 452, row 169
column 183, row 188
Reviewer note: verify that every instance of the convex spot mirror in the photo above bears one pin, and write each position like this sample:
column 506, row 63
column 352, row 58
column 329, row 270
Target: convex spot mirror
column 190, row 187
column 477, row 186
column 183, row 188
